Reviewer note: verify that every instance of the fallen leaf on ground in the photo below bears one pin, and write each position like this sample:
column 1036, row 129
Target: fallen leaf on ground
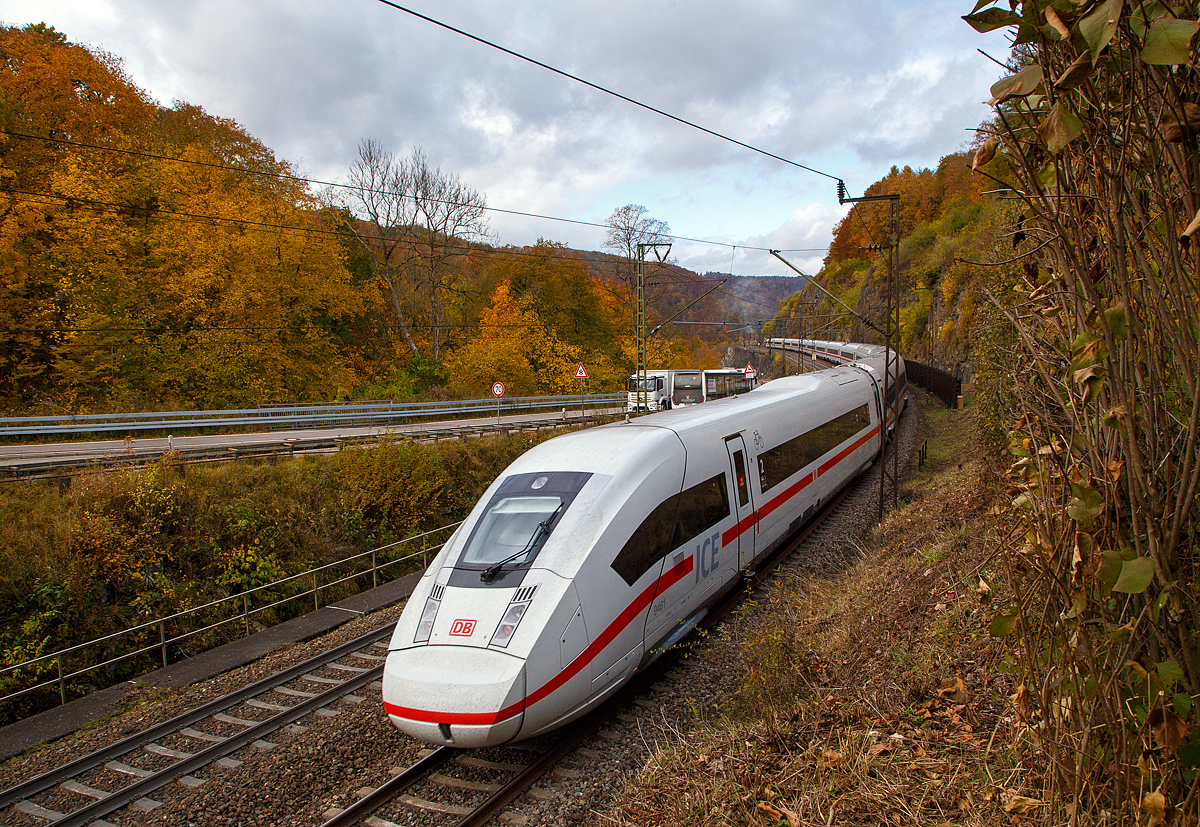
column 954, row 690
column 1019, row 804
column 830, row 758
column 780, row 813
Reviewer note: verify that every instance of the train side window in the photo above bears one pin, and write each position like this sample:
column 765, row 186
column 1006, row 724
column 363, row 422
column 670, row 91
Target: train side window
column 739, row 466
column 648, row 544
column 702, row 506
column 780, row 462
column 674, row 522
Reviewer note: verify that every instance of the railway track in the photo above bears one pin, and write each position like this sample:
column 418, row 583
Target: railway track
column 127, row 772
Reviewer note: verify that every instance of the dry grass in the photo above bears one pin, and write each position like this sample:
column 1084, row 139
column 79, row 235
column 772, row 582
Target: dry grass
column 868, row 699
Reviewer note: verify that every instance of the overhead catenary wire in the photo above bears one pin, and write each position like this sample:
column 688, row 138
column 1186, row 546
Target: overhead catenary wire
column 604, row 89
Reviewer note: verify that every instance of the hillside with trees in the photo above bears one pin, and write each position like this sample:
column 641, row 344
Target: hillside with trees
column 949, row 220
column 157, row 257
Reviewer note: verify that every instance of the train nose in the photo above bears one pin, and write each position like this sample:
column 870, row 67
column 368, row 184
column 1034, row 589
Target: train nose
column 455, row 695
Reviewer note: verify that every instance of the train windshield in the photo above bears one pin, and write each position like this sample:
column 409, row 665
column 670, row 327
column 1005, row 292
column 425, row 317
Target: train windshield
column 513, row 528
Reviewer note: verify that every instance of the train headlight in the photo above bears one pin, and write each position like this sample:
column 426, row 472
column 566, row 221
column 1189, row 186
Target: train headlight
column 425, row 624
column 508, row 624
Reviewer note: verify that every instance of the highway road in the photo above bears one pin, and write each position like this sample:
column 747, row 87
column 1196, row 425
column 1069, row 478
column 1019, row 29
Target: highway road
column 40, row 459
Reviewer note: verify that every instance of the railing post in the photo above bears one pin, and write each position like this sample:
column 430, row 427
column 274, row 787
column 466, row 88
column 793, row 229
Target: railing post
column 246, row 613
column 62, row 692
column 162, row 636
column 374, row 571
column 316, row 591
column 424, row 564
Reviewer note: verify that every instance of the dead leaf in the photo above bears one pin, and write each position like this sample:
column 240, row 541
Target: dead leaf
column 830, row 759
column 1193, row 226
column 780, row 813
column 1056, row 23
column 985, row 153
column 954, row 690
column 1167, row 728
column 1019, row 804
column 983, row 591
column 1177, row 131
column 1114, row 469
column 1161, row 811
column 1020, row 700
column 1076, row 73
column 879, row 749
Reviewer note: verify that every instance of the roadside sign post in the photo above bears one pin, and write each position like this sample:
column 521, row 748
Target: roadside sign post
column 581, row 374
column 498, row 391
column 750, row 372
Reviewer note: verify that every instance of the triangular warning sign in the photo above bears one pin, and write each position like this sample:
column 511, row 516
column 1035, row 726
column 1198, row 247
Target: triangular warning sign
column 750, row 371
column 580, row 372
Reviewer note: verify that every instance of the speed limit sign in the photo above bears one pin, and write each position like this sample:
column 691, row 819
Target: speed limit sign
column 498, row 389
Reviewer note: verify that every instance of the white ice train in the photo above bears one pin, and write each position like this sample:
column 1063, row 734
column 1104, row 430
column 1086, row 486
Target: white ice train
column 596, row 551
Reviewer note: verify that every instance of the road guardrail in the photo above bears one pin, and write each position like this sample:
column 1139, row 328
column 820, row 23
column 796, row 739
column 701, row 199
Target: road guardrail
column 296, row 416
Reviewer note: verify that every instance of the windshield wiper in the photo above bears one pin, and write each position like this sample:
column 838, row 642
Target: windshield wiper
column 543, row 529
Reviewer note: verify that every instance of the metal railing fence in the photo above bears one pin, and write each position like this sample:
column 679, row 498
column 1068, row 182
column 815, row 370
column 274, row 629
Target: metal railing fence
column 56, row 662
column 295, row 416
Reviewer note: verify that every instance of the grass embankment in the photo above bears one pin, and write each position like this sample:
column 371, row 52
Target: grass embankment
column 123, row 547
column 871, row 698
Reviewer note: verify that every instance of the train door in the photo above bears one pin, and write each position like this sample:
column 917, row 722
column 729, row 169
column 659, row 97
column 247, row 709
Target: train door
column 743, row 499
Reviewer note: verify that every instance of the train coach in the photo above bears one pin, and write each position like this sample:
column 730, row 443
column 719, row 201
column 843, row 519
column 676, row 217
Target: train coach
column 595, row 551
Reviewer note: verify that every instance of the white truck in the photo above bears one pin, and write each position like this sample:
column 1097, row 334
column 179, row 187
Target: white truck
column 655, row 396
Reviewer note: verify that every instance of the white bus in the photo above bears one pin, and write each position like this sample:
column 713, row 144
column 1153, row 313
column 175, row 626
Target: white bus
column 691, row 387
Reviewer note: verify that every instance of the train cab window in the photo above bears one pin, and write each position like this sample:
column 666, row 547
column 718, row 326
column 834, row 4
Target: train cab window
column 510, row 527
column 739, row 466
column 675, row 521
column 515, row 525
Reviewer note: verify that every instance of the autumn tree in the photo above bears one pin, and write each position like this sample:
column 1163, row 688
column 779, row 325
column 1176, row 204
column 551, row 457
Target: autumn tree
column 628, row 227
column 188, row 266
column 414, row 221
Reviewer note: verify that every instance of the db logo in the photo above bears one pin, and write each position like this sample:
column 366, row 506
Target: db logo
column 463, row 628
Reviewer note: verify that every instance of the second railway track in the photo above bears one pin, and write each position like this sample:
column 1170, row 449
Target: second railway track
column 128, row 771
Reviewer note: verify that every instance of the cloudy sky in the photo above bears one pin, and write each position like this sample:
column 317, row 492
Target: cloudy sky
column 848, row 87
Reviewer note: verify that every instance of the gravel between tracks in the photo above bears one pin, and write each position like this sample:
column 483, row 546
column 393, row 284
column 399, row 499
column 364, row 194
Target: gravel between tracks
column 327, row 763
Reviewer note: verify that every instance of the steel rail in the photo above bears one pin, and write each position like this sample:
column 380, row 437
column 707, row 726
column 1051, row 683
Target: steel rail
column 502, row 797
column 391, row 788
column 119, row 799
column 55, row 776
